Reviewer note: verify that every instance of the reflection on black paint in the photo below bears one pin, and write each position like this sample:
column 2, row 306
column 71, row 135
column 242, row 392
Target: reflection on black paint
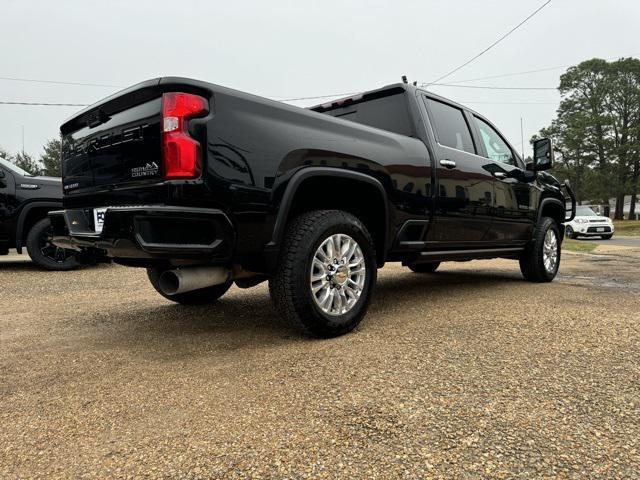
column 231, row 163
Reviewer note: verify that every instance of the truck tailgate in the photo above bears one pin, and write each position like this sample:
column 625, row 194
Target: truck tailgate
column 116, row 143
column 117, row 149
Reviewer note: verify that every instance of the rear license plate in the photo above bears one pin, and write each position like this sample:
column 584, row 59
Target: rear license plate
column 600, row 229
column 98, row 219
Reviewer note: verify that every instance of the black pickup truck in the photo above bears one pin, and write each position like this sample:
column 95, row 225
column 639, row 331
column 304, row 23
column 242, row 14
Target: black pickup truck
column 206, row 186
column 25, row 201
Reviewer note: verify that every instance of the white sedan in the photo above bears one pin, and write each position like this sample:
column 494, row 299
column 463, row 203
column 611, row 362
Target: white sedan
column 588, row 223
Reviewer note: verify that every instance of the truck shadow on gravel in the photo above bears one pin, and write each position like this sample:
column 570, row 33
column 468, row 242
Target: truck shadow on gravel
column 20, row 266
column 27, row 265
column 246, row 318
column 407, row 289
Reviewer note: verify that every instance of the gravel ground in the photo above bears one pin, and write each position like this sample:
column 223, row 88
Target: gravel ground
column 468, row 373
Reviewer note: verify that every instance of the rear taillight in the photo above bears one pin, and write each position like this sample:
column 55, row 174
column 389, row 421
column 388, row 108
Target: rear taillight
column 182, row 154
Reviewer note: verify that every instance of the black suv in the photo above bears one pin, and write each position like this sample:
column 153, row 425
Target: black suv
column 25, row 201
column 206, row 186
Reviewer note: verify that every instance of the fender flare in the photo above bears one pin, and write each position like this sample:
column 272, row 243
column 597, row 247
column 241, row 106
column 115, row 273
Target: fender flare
column 309, row 172
column 22, row 218
column 546, row 201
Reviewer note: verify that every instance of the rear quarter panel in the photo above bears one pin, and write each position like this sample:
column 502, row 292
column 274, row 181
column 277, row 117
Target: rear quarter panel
column 255, row 146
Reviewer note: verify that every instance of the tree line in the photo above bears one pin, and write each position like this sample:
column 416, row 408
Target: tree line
column 47, row 164
column 596, row 131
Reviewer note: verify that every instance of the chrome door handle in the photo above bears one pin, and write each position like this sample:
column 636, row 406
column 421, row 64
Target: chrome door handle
column 500, row 174
column 448, row 163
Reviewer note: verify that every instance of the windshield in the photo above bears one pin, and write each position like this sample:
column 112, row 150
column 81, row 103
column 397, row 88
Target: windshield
column 585, row 212
column 14, row 168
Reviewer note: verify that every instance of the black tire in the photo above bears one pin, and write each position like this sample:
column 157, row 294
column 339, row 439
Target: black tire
column 195, row 297
column 606, row 237
column 570, row 233
column 430, row 267
column 290, row 287
column 532, row 263
column 44, row 253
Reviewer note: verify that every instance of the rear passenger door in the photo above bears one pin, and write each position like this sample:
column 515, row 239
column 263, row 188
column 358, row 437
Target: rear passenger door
column 465, row 191
column 514, row 209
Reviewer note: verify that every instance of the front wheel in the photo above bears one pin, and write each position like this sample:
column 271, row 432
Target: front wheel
column 606, row 237
column 44, row 253
column 326, row 273
column 570, row 232
column 541, row 259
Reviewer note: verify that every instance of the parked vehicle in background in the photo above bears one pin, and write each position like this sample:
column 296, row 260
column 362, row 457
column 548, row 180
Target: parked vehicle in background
column 205, row 186
column 588, row 223
column 25, row 201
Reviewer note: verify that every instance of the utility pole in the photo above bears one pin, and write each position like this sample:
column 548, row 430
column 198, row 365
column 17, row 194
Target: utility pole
column 23, row 140
column 522, row 139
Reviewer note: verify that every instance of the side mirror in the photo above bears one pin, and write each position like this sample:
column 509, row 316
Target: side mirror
column 542, row 154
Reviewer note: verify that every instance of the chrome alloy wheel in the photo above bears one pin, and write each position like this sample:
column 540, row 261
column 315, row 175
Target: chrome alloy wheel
column 550, row 251
column 337, row 275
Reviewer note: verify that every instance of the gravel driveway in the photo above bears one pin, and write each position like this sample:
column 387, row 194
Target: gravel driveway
column 468, row 373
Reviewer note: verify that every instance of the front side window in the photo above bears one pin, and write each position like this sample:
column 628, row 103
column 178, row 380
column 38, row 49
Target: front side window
column 497, row 149
column 450, row 126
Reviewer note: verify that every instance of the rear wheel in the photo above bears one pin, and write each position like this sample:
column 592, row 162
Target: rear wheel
column 44, row 253
column 194, row 297
column 541, row 259
column 430, row 267
column 326, row 273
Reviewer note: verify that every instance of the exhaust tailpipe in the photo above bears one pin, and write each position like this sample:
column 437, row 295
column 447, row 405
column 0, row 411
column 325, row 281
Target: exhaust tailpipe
column 182, row 280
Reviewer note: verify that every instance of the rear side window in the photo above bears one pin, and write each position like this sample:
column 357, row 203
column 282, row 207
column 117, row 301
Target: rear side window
column 389, row 113
column 450, row 126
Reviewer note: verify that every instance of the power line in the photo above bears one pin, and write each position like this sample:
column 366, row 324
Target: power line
column 510, row 74
column 485, row 87
column 546, row 69
column 493, row 44
column 56, row 82
column 449, row 84
column 43, row 104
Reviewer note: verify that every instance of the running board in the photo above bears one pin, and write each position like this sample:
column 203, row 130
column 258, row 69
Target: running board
column 460, row 255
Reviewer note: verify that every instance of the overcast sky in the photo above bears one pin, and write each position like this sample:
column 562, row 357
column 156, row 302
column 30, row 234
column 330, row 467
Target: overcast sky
column 283, row 49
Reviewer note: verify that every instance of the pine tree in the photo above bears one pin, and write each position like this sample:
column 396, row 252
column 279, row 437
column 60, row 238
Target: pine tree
column 50, row 159
column 27, row 163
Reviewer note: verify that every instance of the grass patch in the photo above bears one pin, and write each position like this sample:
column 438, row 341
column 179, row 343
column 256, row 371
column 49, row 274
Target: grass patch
column 578, row 246
column 630, row 228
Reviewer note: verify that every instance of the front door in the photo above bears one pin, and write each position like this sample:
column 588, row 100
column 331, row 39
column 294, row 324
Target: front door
column 465, row 192
column 514, row 205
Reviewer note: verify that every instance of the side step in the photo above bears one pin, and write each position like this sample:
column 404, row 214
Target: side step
column 462, row 255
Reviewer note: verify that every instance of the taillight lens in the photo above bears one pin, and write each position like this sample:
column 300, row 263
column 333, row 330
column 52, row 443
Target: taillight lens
column 182, row 154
